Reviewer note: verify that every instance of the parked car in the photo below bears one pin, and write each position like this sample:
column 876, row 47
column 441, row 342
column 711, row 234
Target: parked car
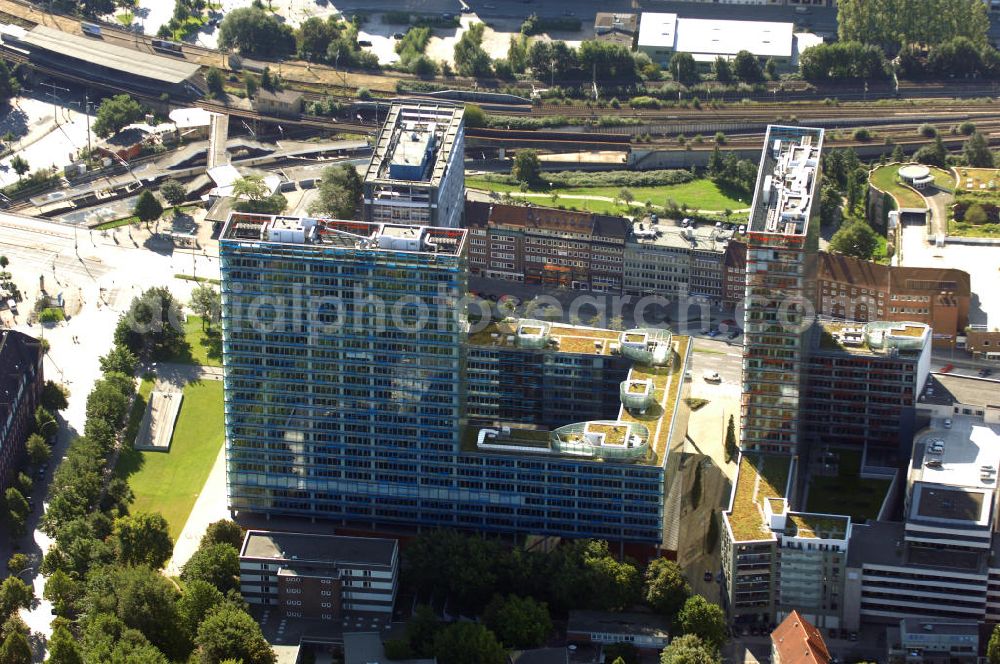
column 735, row 333
column 398, row 35
column 708, row 577
column 712, row 377
column 713, row 333
column 947, row 423
column 946, row 368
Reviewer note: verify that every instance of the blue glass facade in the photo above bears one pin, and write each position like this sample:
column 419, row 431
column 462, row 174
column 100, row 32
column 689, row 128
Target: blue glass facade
column 331, row 414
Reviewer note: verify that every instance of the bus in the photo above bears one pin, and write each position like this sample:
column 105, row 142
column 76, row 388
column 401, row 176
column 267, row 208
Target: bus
column 91, row 29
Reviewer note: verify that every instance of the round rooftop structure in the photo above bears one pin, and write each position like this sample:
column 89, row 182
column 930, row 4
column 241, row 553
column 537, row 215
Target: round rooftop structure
column 913, row 171
column 916, row 175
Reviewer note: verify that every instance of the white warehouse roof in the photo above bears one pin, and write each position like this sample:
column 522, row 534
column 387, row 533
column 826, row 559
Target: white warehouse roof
column 709, row 38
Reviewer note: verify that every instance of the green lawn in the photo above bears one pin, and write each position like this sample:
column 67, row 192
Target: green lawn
column 202, row 345
column 886, row 178
column 847, row 493
column 117, row 223
column 701, row 194
column 961, row 228
column 170, row 482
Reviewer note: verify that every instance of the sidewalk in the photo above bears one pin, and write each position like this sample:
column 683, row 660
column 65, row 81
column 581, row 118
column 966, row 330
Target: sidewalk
column 210, row 506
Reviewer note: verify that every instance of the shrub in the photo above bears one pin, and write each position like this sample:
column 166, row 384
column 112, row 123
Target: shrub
column 928, row 130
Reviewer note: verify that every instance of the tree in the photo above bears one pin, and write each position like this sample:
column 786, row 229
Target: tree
column 518, row 622
column 527, row 167
column 746, row 67
column 223, row 532
column 732, row 449
column 143, row 539
column 207, row 303
column 153, row 319
column 339, row 192
column 141, row 599
column 147, row 207
column 621, row 653
column 688, row 649
column 977, row 151
column 254, row 31
column 771, row 69
column 975, row 214
column 17, row 563
column 63, row 648
column 474, row 115
column 38, row 449
column 892, row 23
column 250, row 84
column 217, row 564
column 683, row 68
column 468, row 643
column 703, row 619
column 256, row 196
column 17, row 510
column 855, row 238
column 63, row 591
column 934, row 154
column 115, row 113
column 197, row 601
column 20, row 166
column 216, row 83
column 723, row 72
column 314, row 36
column 173, row 192
column 228, row 632
column 993, row 649
column 15, row 649
column 470, row 57
column 54, row 396
column 15, row 594
column 666, row 588
column 120, row 360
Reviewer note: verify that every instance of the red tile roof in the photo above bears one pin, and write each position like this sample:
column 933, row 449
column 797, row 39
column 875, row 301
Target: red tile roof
column 797, row 641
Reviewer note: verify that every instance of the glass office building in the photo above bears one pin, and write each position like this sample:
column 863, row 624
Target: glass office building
column 782, row 239
column 348, row 361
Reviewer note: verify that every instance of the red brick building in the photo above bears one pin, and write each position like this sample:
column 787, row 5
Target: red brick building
column 852, row 289
column 21, row 381
column 534, row 245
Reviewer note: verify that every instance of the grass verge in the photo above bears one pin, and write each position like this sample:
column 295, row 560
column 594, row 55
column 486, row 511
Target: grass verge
column 170, row 482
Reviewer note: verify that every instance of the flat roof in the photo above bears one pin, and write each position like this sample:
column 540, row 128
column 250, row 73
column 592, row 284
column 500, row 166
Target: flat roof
column 967, row 446
column 666, row 381
column 657, row 29
column 361, row 235
column 443, row 120
column 937, row 502
column 761, row 477
column 875, row 338
column 568, row 338
column 639, row 624
column 305, row 548
column 787, row 181
column 95, row 51
column 947, row 389
column 881, row 543
column 813, row 526
column 701, row 237
column 727, row 38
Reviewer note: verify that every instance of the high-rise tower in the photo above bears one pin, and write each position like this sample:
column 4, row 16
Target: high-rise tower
column 781, row 249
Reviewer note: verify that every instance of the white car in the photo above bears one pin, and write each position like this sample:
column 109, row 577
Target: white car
column 712, row 377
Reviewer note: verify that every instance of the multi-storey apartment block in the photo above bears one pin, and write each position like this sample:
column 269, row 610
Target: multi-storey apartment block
column 534, row 245
column 350, row 405
column 417, row 171
column 781, row 247
column 320, row 577
column 862, row 382
column 774, row 559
